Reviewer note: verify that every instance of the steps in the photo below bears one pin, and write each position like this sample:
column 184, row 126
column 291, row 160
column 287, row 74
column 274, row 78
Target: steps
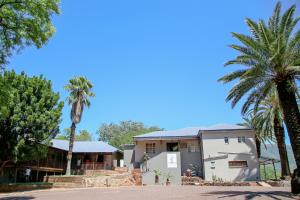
column 67, row 185
column 137, row 176
column 191, row 180
column 264, row 184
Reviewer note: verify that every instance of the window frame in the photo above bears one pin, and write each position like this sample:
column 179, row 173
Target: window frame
column 192, row 147
column 150, row 148
column 238, row 164
column 213, row 164
column 244, row 139
column 226, row 140
column 241, row 139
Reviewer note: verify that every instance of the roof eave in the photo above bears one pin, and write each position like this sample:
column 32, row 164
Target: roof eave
column 164, row 138
column 225, row 130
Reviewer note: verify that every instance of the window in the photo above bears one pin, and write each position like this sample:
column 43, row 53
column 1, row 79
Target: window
column 238, row 163
column 150, row 148
column 241, row 139
column 226, row 140
column 192, row 147
column 172, row 147
column 100, row 158
column 183, row 145
column 212, row 165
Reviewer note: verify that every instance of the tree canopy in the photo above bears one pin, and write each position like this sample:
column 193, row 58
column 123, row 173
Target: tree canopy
column 23, row 23
column 83, row 135
column 270, row 57
column 119, row 134
column 33, row 116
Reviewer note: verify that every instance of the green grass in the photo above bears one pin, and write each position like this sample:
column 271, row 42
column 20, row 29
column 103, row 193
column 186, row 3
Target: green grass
column 269, row 173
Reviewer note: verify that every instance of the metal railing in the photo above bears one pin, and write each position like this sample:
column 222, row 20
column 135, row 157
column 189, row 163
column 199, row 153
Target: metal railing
column 93, row 166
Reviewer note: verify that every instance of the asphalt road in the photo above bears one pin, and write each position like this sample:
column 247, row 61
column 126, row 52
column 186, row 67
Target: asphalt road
column 155, row 193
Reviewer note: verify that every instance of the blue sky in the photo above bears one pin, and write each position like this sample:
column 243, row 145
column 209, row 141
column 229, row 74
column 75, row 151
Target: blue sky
column 152, row 61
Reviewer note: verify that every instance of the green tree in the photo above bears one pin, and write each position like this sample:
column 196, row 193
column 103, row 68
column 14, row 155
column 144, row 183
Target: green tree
column 269, row 118
column 65, row 135
column 119, row 134
column 83, row 135
column 271, row 56
column 33, row 116
column 5, row 97
column 80, row 91
column 23, row 23
column 260, row 135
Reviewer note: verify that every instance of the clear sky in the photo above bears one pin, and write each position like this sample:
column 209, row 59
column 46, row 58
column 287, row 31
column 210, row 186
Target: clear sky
column 152, row 61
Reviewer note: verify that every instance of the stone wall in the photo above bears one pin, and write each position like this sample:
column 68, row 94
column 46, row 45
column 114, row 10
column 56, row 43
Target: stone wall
column 107, row 179
column 23, row 187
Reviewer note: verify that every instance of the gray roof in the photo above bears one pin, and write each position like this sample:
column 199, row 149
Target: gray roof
column 84, row 146
column 218, row 127
column 190, row 132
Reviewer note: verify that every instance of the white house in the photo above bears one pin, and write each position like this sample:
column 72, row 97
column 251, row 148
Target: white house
column 220, row 151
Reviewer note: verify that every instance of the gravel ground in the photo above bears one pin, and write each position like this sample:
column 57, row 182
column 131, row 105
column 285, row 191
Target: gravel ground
column 156, row 193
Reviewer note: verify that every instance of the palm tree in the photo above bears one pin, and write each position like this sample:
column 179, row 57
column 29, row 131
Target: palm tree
column 271, row 56
column 269, row 117
column 80, row 91
column 260, row 136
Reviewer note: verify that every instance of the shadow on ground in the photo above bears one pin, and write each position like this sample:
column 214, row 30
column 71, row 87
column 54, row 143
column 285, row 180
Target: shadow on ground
column 249, row 195
column 17, row 198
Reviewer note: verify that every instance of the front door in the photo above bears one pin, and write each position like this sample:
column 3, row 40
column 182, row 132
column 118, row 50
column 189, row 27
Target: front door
column 172, row 146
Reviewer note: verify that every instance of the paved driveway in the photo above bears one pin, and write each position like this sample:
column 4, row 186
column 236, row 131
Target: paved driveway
column 154, row 192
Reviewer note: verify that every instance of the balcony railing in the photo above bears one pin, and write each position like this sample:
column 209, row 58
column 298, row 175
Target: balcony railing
column 93, row 166
column 45, row 163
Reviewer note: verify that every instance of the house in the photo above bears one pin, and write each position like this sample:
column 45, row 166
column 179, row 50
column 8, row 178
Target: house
column 226, row 152
column 87, row 156
column 90, row 155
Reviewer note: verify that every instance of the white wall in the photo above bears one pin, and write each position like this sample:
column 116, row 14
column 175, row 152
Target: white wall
column 140, row 149
column 215, row 150
column 187, row 158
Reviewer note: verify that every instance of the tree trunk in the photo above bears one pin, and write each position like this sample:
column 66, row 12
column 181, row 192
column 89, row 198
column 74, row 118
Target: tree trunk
column 280, row 138
column 2, row 167
column 69, row 156
column 258, row 146
column 291, row 115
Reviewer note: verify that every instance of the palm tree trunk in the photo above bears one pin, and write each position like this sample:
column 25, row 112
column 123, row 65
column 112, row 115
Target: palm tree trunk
column 258, row 146
column 69, row 156
column 280, row 138
column 291, row 115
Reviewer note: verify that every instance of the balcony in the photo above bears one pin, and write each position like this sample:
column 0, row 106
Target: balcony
column 93, row 166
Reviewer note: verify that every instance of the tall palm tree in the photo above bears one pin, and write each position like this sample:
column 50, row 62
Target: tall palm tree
column 271, row 56
column 80, row 91
column 269, row 117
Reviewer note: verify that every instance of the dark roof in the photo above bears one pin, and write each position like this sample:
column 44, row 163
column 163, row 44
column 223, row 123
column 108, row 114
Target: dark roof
column 84, row 146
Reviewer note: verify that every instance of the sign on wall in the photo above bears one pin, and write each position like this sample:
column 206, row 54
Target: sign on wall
column 171, row 160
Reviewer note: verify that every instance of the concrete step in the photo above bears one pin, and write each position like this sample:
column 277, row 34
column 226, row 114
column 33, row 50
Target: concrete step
column 264, row 184
column 67, row 185
column 137, row 176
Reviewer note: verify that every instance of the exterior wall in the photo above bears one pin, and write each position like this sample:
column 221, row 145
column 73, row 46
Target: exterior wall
column 129, row 156
column 159, row 161
column 215, row 150
column 89, row 159
column 187, row 158
column 108, row 161
column 191, row 160
column 140, row 149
